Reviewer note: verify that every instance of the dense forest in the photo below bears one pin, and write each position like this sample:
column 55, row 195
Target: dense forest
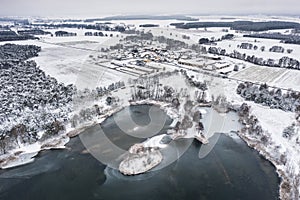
column 33, row 32
column 8, row 35
column 31, row 101
column 285, row 38
column 98, row 26
column 144, row 17
column 18, row 52
column 241, row 25
column 273, row 98
column 149, row 25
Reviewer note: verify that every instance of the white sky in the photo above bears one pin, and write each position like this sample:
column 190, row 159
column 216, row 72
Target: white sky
column 113, row 7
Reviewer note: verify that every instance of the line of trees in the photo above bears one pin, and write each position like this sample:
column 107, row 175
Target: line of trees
column 98, row 26
column 241, row 25
column 273, row 98
column 285, row 38
column 212, row 40
column 12, row 36
column 18, row 52
column 284, row 62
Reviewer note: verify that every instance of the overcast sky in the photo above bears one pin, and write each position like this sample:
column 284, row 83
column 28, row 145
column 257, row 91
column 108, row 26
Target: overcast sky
column 113, row 7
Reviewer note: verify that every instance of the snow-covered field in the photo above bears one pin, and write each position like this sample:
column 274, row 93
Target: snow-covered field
column 289, row 79
column 259, row 74
column 61, row 62
column 66, row 58
column 279, row 77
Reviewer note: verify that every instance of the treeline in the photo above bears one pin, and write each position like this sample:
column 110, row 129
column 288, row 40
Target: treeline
column 87, row 95
column 284, row 62
column 171, row 44
column 143, row 17
column 140, row 36
column 289, row 38
column 99, row 26
column 151, row 88
column 18, row 21
column 241, row 25
column 12, row 36
column 64, row 34
column 253, row 131
column 94, row 94
column 100, row 34
column 33, row 32
column 193, row 82
column 251, row 124
column 207, row 41
column 149, row 25
column 273, row 98
column 18, row 52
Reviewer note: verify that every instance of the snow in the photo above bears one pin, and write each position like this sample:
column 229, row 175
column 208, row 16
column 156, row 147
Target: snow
column 260, row 74
column 231, row 45
column 279, row 77
column 140, row 163
column 137, row 23
column 68, row 59
column 22, row 159
column 273, row 121
column 288, row 79
column 26, row 153
column 155, row 142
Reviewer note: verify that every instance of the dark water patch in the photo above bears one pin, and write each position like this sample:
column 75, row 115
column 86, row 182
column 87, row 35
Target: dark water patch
column 231, row 170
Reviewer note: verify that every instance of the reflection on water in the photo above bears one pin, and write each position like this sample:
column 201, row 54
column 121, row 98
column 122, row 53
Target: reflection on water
column 231, row 171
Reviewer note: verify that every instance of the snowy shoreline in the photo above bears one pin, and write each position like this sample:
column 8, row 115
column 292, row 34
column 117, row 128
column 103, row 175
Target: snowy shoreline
column 26, row 154
column 283, row 194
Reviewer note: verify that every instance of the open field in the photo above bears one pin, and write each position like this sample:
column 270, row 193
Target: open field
column 289, row 79
column 67, row 59
column 278, row 77
column 259, row 74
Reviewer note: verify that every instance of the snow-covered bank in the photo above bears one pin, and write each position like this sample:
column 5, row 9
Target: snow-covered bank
column 269, row 142
column 284, row 185
column 26, row 154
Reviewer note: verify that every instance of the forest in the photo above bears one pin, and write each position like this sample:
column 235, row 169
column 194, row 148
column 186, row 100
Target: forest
column 285, row 38
column 271, row 97
column 241, row 25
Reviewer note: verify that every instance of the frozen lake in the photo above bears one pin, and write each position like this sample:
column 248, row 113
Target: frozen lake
column 230, row 171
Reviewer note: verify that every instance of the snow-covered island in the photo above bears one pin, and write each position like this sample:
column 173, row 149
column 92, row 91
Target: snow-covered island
column 140, row 160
